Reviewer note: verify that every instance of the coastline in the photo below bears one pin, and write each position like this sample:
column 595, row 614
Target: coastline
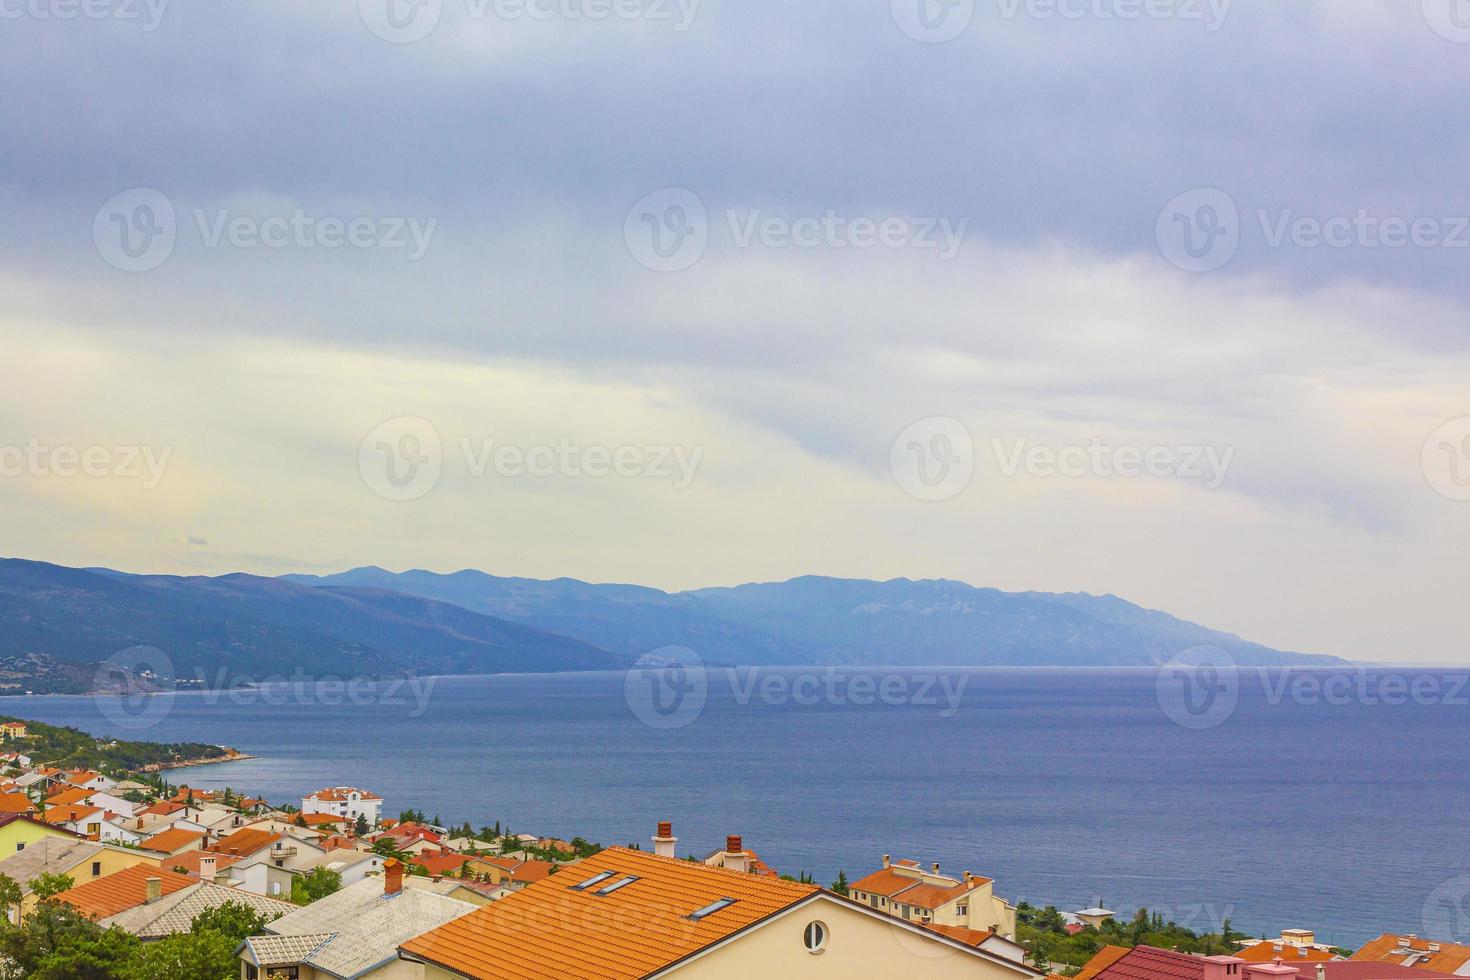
column 230, row 756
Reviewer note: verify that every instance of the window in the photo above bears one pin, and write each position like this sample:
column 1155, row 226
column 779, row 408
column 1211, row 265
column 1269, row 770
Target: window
column 96, row 869
column 814, row 937
column 711, row 909
column 594, row 880
column 21, row 846
column 620, row 883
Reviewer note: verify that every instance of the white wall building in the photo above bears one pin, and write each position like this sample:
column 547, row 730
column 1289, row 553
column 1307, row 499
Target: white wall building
column 345, row 801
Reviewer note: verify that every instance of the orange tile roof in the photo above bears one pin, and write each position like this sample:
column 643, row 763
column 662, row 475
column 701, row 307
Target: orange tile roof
column 172, row 840
column 73, row 794
column 70, row 814
column 121, row 890
column 16, row 803
column 189, row 861
column 911, row 890
column 1274, row 949
column 548, row 931
column 246, row 842
column 321, row 819
column 441, row 864
column 164, row 809
column 1100, row 961
column 1449, row 958
column 341, row 794
column 970, row 937
column 523, row 871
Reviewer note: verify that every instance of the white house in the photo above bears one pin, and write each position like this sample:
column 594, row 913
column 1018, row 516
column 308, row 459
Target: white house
column 345, row 801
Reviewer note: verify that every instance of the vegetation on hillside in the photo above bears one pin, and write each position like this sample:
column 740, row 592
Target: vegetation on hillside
column 1044, row 933
column 71, row 748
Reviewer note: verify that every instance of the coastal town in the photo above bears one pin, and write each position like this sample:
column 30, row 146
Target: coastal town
column 122, row 874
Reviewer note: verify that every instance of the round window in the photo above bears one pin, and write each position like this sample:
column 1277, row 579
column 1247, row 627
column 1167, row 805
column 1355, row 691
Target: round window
column 815, row 937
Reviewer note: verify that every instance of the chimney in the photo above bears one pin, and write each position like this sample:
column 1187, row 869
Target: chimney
column 735, row 853
column 1321, row 972
column 664, row 841
column 936, row 867
column 392, row 876
column 155, row 890
column 1270, row 971
column 969, row 877
column 1223, row 968
column 206, row 867
column 444, row 850
column 887, row 860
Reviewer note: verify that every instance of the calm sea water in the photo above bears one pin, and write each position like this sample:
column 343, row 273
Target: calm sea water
column 1336, row 812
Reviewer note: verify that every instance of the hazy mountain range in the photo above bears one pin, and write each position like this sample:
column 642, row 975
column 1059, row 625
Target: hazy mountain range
column 371, row 621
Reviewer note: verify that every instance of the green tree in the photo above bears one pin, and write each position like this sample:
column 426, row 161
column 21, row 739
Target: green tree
column 56, row 942
column 235, row 921
column 361, row 828
column 186, row 956
column 316, row 884
column 48, row 885
column 841, row 886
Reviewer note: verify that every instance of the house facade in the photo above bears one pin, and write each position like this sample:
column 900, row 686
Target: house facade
column 345, row 801
column 908, row 891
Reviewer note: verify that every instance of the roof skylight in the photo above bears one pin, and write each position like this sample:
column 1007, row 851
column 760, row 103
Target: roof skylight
column 712, row 908
column 594, row 880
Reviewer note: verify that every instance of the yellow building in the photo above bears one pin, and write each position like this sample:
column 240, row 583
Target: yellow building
column 81, row 860
column 906, row 890
column 18, row 830
column 12, row 729
column 627, row 914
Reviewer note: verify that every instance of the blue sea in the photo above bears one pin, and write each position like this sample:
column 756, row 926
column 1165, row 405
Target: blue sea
column 1339, row 802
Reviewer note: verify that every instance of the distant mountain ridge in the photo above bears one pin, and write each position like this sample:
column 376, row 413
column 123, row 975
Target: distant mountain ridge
column 814, row 619
column 237, row 626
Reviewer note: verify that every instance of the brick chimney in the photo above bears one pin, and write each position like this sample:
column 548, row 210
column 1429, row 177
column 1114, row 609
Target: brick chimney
column 664, row 841
column 206, row 867
column 392, row 876
column 154, row 892
column 735, row 854
column 1223, row 968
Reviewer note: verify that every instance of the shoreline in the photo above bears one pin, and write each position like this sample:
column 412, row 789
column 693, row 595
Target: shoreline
column 231, row 756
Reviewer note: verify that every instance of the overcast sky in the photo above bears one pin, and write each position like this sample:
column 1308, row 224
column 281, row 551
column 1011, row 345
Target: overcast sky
column 1163, row 299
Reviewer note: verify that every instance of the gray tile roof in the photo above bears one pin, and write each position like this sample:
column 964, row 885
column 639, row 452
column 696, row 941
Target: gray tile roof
column 282, row 950
column 175, row 913
column 49, row 854
column 366, row 926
